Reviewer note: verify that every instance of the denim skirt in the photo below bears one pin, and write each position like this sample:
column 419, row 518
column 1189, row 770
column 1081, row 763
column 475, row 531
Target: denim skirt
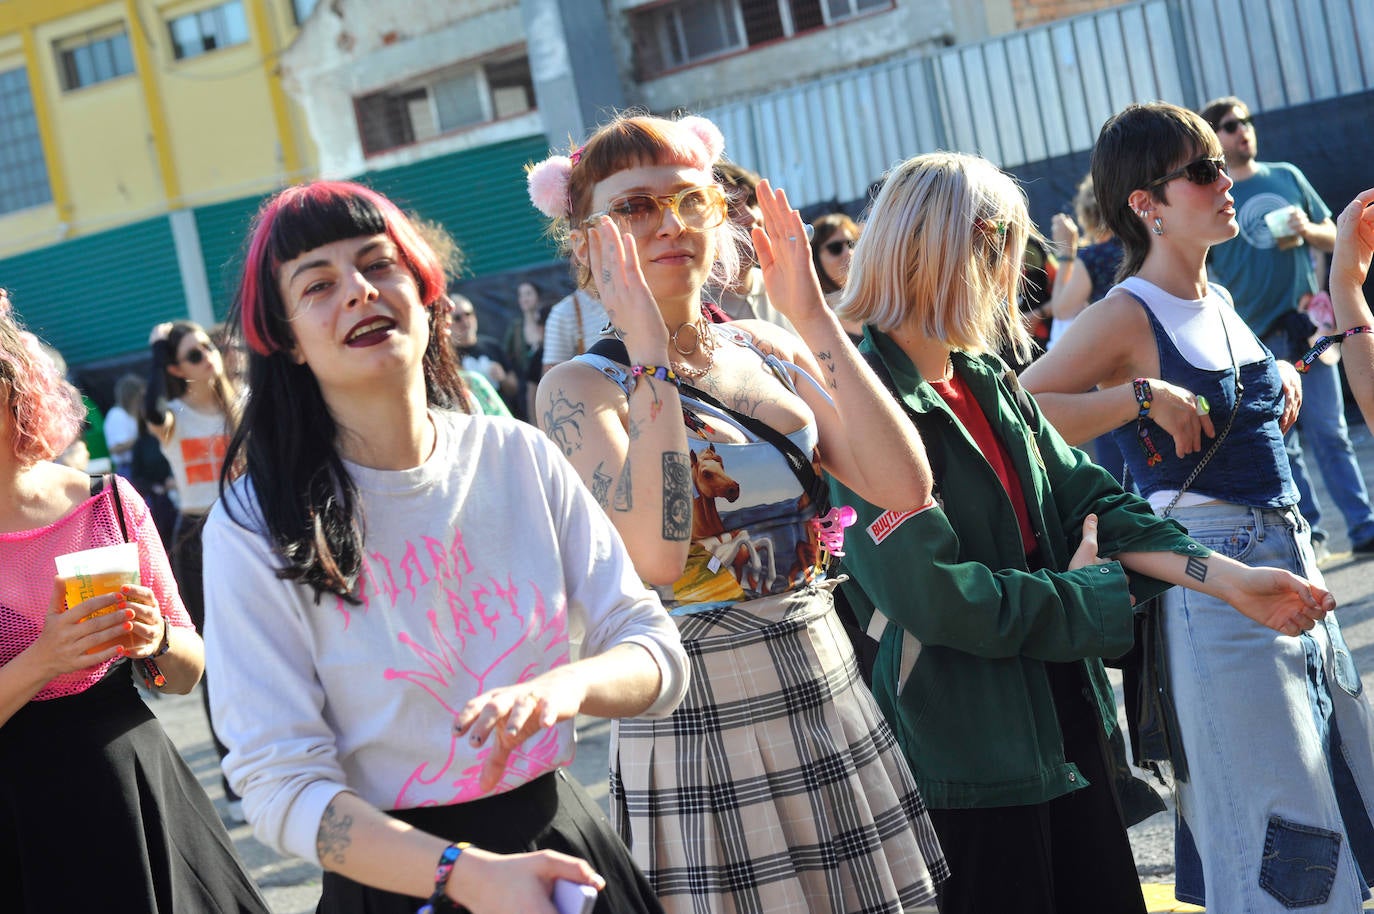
column 1279, row 738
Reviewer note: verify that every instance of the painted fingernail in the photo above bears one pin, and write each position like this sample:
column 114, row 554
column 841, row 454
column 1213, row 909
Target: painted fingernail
column 475, row 740
column 119, row 651
column 121, row 601
column 127, row 626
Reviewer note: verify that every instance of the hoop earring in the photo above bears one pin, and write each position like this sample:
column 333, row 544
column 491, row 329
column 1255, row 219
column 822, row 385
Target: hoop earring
column 1158, row 227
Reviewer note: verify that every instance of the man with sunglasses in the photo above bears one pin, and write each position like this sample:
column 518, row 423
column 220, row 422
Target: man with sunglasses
column 1272, row 284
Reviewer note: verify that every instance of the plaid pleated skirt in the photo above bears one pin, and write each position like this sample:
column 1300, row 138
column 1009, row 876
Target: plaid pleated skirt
column 776, row 786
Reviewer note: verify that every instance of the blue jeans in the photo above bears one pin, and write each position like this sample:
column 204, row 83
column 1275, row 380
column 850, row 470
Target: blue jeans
column 1321, row 422
column 1278, row 738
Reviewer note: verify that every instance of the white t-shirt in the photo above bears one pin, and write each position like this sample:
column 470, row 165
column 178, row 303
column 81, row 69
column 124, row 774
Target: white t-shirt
column 120, row 428
column 196, row 453
column 560, row 329
column 485, row 566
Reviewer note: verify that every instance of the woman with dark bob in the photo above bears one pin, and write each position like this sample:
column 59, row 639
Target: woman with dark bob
column 1277, row 774
column 1000, row 606
column 395, row 589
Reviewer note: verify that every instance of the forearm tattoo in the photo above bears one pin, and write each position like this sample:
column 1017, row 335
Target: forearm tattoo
column 827, row 358
column 333, row 838
column 1196, row 569
column 624, row 490
column 601, row 486
column 677, row 504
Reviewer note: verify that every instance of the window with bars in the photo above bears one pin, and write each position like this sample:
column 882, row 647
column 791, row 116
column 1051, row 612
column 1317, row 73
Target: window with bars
column 683, row 32
column 23, row 169
column 445, row 101
column 94, row 57
column 218, row 27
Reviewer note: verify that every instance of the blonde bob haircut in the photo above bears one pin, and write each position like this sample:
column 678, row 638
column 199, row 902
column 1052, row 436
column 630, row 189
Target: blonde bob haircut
column 941, row 254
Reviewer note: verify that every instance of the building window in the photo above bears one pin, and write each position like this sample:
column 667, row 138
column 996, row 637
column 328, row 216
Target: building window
column 24, row 179
column 220, row 26
column 303, row 9
column 94, row 57
column 683, row 32
column 448, row 100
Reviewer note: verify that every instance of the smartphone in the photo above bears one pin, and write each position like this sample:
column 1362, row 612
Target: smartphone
column 573, row 897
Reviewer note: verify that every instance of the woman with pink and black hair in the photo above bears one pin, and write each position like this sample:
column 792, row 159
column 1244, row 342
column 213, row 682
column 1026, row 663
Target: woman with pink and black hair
column 94, row 797
column 393, row 587
column 776, row 786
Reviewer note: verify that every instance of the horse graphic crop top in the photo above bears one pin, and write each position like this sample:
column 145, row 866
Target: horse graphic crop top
column 752, row 530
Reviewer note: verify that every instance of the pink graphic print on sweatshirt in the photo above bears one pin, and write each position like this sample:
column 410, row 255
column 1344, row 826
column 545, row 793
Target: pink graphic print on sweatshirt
column 486, row 633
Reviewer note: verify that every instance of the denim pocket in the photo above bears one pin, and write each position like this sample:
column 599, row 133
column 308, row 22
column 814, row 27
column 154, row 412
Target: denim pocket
column 1299, row 865
column 1347, row 677
column 1234, row 542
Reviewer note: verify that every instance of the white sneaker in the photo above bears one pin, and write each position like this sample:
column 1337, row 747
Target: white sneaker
column 233, row 813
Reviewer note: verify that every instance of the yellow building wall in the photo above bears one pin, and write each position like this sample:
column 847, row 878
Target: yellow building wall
column 175, row 133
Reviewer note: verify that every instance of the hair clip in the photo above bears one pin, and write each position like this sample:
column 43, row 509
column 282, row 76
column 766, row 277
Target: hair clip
column 576, row 155
column 991, row 226
column 548, row 185
column 709, row 134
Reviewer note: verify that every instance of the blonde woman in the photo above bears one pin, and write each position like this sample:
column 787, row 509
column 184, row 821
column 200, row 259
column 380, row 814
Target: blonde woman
column 996, row 604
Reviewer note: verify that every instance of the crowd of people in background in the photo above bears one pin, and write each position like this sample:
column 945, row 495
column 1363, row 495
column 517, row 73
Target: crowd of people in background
column 765, row 493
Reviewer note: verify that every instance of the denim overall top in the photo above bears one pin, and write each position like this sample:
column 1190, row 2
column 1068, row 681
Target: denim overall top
column 1250, row 467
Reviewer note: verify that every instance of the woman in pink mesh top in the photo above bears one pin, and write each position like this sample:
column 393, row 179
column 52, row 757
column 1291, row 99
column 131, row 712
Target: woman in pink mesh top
column 93, row 792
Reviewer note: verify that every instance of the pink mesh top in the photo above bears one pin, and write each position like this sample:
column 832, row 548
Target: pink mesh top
column 26, row 558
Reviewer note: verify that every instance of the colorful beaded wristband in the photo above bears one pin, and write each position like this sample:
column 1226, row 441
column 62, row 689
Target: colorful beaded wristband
column 660, row 372
column 1304, row 364
column 441, row 873
column 1145, row 397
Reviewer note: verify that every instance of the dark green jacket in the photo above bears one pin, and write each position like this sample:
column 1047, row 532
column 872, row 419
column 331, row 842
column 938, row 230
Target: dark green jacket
column 961, row 675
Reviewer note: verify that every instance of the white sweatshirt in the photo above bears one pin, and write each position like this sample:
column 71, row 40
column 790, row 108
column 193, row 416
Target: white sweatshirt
column 484, row 566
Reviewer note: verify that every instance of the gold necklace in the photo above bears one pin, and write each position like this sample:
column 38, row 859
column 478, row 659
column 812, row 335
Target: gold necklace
column 701, row 339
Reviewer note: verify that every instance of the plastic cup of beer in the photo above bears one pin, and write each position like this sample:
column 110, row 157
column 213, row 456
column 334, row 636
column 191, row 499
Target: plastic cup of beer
column 93, row 572
column 1284, row 236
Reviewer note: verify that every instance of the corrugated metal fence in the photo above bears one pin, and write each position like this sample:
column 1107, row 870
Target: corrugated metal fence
column 1044, row 92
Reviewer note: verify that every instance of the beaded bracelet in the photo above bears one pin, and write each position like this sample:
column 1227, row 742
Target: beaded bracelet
column 1304, row 364
column 1145, row 397
column 660, row 372
column 441, row 873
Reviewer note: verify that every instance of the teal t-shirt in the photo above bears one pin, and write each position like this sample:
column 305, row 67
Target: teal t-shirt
column 1266, row 282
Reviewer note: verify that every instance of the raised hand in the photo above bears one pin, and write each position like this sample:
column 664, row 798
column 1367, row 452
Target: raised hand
column 614, row 261
column 1354, row 248
column 1064, row 231
column 784, row 255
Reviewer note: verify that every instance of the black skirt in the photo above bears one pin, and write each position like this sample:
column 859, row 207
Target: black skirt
column 98, row 810
column 551, row 812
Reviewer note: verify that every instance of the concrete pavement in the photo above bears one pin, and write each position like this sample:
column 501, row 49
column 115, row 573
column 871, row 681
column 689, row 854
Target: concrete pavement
column 293, row 886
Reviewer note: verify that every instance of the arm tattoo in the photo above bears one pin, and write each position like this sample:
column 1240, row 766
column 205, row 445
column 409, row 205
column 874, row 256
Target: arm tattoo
column 601, row 486
column 633, row 430
column 332, row 840
column 624, row 490
column 677, row 506
column 1196, row 568
column 827, row 358
column 561, row 422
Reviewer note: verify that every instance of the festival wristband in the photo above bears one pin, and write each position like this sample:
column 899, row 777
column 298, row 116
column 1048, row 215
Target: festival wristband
column 1143, row 396
column 660, row 372
column 441, row 873
column 1304, row 364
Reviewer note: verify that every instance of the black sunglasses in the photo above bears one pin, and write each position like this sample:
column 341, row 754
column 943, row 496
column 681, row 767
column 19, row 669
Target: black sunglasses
column 835, row 248
column 1232, row 126
column 1203, row 171
column 197, row 355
